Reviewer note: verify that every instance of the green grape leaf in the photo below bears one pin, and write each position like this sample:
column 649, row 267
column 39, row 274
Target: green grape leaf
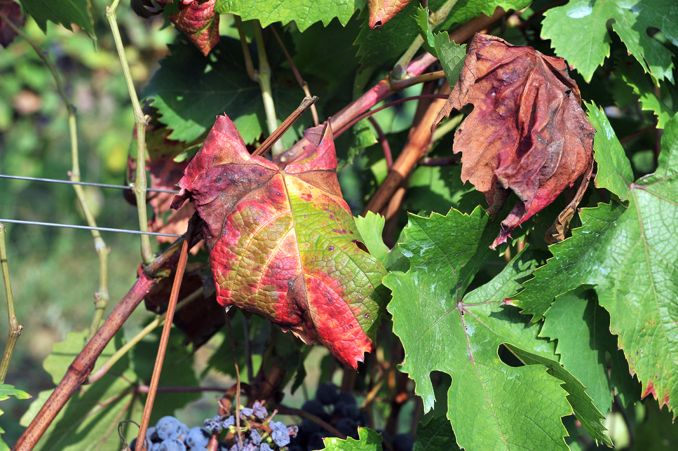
column 65, row 12
column 624, row 253
column 283, row 242
column 190, row 90
column 443, row 328
column 614, row 169
column 439, row 188
column 302, row 12
column 450, row 54
column 371, row 227
column 9, row 391
column 581, row 330
column 578, row 33
column 647, row 96
column 368, row 440
column 90, row 419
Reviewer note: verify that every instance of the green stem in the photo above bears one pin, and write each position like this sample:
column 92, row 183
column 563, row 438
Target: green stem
column 14, row 327
column 140, row 184
column 264, row 78
column 143, row 333
column 446, row 127
column 101, row 296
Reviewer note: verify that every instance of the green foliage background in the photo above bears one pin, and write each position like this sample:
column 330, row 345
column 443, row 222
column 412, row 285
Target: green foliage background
column 623, row 59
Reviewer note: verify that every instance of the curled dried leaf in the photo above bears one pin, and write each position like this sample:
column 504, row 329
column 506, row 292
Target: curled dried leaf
column 527, row 132
column 283, row 242
column 199, row 22
column 381, row 11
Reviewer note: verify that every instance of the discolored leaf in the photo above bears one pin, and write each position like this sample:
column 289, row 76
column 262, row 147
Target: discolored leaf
column 381, row 11
column 527, row 132
column 282, row 240
column 11, row 10
column 199, row 22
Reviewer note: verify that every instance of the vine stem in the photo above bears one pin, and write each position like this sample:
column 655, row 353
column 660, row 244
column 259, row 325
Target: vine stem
column 14, row 327
column 383, row 89
column 264, row 79
column 101, row 296
column 297, row 75
column 164, row 339
column 84, row 362
column 285, row 410
column 143, row 333
column 274, row 137
column 140, row 183
column 416, row 147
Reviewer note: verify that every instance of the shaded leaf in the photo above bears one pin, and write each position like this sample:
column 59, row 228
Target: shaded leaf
column 386, row 44
column 381, row 11
column 626, row 255
column 302, row 12
column 282, row 240
column 527, row 132
column 66, row 13
column 651, row 98
column 190, row 90
column 199, row 22
column 578, row 33
column 368, row 440
column 583, row 338
column 443, row 328
column 90, row 419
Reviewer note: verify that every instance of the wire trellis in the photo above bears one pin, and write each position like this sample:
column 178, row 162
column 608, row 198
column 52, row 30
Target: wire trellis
column 84, row 227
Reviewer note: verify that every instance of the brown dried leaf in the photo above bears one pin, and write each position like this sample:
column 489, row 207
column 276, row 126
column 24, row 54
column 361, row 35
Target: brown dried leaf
column 381, row 11
column 527, row 132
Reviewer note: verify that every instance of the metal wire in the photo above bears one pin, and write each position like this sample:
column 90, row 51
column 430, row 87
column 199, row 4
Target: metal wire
column 71, row 182
column 83, row 227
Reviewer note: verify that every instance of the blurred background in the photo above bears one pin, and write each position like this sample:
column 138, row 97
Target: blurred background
column 54, row 271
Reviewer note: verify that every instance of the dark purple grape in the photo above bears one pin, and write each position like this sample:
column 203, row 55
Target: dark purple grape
column 314, row 408
column 197, row 438
column 315, row 442
column 259, row 410
column 266, row 447
column 170, row 428
column 344, row 410
column 347, row 427
column 133, row 444
column 228, row 422
column 255, row 437
column 346, row 398
column 327, row 394
column 403, row 442
column 172, row 444
column 279, row 433
column 246, row 412
column 213, row 425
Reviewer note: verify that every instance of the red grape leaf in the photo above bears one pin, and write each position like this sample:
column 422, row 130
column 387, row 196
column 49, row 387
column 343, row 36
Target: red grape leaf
column 198, row 20
column 381, row 11
column 527, row 132
column 283, row 242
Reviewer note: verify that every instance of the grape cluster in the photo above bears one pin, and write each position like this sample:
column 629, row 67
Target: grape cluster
column 340, row 409
column 170, row 434
column 258, row 432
